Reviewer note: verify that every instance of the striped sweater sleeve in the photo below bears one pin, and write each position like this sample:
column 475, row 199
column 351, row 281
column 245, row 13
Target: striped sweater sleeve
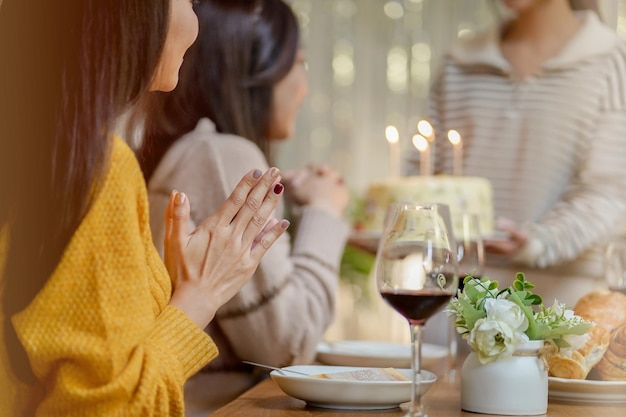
column 594, row 204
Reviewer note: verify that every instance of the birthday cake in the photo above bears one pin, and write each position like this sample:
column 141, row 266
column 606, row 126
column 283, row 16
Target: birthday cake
column 461, row 194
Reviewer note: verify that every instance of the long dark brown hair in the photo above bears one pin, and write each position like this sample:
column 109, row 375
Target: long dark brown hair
column 69, row 68
column 243, row 49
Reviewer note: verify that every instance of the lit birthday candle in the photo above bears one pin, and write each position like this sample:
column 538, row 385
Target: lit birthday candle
column 393, row 137
column 457, row 148
column 422, row 145
column 425, row 129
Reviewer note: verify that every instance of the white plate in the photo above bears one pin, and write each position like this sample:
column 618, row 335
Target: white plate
column 347, row 395
column 376, row 354
column 587, row 391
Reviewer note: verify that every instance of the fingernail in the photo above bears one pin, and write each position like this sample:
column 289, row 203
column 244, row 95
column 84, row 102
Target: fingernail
column 278, row 188
column 274, row 172
column 179, row 199
column 256, row 174
column 284, row 224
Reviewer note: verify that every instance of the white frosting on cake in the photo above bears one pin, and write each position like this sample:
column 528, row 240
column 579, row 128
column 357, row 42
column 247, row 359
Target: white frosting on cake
column 462, row 194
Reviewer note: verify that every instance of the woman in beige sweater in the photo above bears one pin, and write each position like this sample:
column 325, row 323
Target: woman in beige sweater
column 241, row 85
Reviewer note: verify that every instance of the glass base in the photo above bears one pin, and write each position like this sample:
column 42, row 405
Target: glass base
column 419, row 413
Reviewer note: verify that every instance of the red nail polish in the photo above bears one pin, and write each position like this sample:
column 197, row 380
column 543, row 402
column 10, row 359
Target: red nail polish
column 278, row 188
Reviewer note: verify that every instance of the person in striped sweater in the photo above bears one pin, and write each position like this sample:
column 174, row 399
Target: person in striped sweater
column 540, row 102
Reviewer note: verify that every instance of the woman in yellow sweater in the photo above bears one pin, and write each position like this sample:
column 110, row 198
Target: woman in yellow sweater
column 92, row 323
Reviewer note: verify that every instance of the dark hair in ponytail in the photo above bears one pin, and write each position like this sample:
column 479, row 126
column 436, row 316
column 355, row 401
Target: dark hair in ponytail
column 244, row 48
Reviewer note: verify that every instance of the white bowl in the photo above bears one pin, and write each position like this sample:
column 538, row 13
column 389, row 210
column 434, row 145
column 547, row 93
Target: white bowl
column 348, row 395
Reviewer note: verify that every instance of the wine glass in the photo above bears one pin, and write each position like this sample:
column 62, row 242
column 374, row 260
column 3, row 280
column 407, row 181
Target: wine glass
column 471, row 260
column 470, row 247
column 615, row 265
column 416, row 271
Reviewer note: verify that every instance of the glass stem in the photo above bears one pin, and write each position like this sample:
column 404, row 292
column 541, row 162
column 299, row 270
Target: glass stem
column 415, row 409
column 452, row 350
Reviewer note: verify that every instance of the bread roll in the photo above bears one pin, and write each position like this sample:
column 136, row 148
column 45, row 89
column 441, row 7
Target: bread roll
column 371, row 374
column 573, row 367
column 581, row 361
column 612, row 367
column 605, row 308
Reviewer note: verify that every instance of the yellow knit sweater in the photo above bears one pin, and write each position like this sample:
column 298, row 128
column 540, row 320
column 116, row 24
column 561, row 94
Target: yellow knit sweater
column 100, row 335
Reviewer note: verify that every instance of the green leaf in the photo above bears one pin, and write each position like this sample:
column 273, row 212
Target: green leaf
column 471, row 314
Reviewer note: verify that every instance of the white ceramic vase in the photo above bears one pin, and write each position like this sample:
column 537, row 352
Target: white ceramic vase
column 514, row 386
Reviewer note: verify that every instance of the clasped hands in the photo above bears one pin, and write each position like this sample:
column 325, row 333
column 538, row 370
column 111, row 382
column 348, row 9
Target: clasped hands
column 317, row 185
column 210, row 264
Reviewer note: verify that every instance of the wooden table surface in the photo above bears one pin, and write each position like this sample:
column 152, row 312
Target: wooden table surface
column 267, row 400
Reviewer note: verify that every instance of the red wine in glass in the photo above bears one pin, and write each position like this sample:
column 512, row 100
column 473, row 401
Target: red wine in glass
column 416, row 305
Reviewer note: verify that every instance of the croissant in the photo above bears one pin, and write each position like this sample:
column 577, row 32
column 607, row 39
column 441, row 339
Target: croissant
column 573, row 367
column 578, row 364
column 605, row 308
column 612, row 367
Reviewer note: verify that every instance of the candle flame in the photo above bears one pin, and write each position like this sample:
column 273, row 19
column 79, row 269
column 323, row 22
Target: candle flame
column 425, row 129
column 392, row 135
column 454, row 137
column 420, row 142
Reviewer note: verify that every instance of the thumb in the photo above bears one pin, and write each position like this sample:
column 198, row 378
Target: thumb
column 176, row 221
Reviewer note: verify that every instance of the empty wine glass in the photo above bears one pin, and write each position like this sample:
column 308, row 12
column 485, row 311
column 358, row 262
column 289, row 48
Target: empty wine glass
column 416, row 272
column 471, row 260
column 470, row 247
column 615, row 265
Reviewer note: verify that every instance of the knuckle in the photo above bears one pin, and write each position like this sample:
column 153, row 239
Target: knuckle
column 265, row 243
column 258, row 220
column 273, row 199
column 237, row 198
column 254, row 203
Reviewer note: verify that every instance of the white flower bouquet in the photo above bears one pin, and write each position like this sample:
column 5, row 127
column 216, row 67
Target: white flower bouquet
column 495, row 322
